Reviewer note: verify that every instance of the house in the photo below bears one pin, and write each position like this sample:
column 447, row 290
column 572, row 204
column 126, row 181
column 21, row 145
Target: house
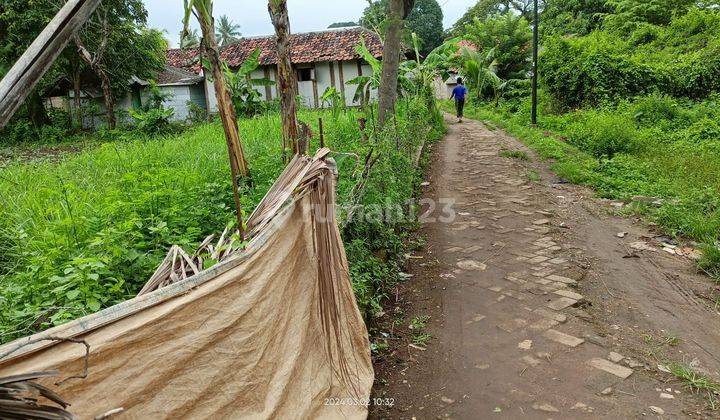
column 321, row 59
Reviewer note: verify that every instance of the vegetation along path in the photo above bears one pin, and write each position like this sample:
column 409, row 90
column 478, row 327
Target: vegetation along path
column 537, row 301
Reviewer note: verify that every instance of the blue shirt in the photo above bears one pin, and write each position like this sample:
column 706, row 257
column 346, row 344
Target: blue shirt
column 459, row 92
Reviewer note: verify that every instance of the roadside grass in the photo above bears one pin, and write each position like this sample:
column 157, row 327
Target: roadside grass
column 87, row 231
column 626, row 150
column 514, row 154
column 697, row 383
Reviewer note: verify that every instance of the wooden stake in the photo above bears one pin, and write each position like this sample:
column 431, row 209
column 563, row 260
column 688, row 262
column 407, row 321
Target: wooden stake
column 322, row 133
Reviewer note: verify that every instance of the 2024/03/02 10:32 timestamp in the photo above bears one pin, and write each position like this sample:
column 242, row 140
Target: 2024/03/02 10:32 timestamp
column 360, row 401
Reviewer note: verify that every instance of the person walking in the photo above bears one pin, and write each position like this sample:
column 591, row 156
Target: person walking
column 459, row 95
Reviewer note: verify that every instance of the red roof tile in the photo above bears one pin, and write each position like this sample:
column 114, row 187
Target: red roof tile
column 309, row 47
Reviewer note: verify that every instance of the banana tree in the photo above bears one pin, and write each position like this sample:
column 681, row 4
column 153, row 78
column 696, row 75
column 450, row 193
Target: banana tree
column 480, row 71
column 366, row 83
column 245, row 98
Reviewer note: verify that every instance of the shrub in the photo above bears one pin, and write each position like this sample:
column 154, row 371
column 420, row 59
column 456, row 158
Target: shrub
column 604, row 134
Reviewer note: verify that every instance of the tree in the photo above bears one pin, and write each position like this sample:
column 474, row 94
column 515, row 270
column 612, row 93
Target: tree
column 189, row 39
column 203, row 9
column 510, row 36
column 398, row 11
column 576, row 17
column 246, row 99
column 342, row 24
column 486, row 8
column 426, row 20
column 628, row 15
column 481, row 72
column 227, row 31
column 287, row 81
column 116, row 46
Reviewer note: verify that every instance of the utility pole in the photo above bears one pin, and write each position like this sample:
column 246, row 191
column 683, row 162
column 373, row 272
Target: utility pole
column 533, row 113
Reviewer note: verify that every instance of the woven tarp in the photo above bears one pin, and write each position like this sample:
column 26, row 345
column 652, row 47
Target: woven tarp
column 271, row 332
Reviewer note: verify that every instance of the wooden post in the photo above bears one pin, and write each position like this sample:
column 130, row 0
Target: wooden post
column 19, row 82
column 322, row 132
column 287, row 81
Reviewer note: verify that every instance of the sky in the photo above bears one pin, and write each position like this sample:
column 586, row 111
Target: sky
column 305, row 15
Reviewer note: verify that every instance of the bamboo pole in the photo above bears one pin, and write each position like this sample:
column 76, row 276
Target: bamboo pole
column 37, row 59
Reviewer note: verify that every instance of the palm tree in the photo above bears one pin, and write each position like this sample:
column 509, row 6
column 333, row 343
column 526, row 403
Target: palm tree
column 480, row 70
column 190, row 39
column 227, row 31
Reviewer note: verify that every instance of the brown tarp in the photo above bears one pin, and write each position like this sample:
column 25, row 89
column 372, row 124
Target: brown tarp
column 272, row 332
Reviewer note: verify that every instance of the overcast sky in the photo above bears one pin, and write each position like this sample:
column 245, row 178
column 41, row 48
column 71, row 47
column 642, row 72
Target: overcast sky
column 305, row 15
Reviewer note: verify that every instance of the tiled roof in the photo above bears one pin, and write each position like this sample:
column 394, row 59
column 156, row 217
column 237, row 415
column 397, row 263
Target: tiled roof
column 310, row 47
column 176, row 76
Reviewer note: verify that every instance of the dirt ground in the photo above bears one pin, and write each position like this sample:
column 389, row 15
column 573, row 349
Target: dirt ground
column 539, row 305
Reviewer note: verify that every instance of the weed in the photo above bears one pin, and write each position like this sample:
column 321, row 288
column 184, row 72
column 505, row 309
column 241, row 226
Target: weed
column 419, row 323
column 515, row 154
column 697, row 382
column 421, row 339
column 532, row 175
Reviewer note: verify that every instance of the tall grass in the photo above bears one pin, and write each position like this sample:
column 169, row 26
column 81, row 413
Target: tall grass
column 88, row 231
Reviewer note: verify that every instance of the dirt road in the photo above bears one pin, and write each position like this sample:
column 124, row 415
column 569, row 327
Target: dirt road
column 539, row 305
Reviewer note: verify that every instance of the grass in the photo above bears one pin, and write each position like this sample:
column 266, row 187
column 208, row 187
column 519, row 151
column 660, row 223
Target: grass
column 697, row 383
column 633, row 148
column 515, row 154
column 86, row 232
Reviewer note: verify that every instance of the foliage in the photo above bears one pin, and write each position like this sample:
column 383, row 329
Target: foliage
column 246, row 99
column 333, row 99
column 510, row 36
column 342, row 24
column 425, row 19
column 366, row 83
column 628, row 15
column 153, row 118
column 189, row 39
column 572, row 17
column 228, row 32
column 484, row 9
column 480, row 72
column 86, row 232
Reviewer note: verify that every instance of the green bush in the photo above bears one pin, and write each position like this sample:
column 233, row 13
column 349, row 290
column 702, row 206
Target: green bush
column 604, row 134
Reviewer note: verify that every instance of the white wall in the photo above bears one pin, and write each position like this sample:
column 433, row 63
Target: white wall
column 305, row 89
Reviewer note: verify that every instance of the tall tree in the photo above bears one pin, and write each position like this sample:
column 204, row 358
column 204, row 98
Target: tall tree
column 509, row 35
column 203, row 9
column 486, row 8
column 228, row 31
column 287, row 82
column 426, row 20
column 397, row 12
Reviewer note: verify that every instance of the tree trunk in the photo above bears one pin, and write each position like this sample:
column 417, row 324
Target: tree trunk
column 225, row 106
column 286, row 76
column 238, row 164
column 399, row 9
column 36, row 110
column 107, row 96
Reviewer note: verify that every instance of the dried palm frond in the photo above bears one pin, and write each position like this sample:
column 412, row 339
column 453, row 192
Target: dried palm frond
column 21, row 398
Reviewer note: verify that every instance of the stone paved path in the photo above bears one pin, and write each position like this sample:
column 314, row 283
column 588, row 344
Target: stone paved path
column 527, row 317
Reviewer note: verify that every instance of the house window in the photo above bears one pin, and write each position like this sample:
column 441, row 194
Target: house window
column 305, row 75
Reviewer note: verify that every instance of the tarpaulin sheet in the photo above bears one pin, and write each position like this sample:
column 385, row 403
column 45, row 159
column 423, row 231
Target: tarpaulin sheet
column 248, row 338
